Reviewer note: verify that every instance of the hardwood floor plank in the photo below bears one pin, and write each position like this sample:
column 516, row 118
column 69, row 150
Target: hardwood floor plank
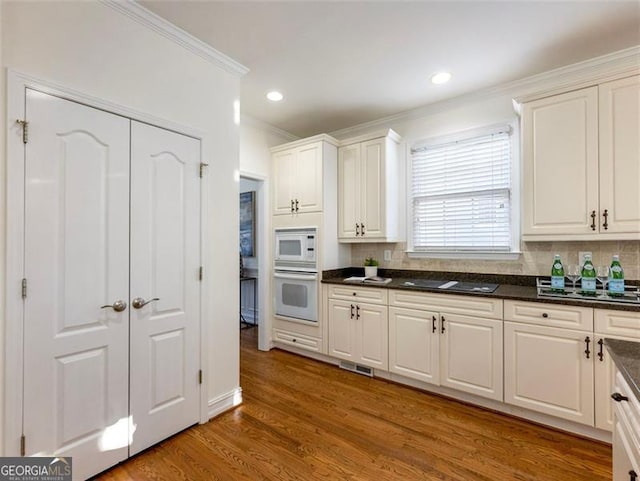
column 303, row 420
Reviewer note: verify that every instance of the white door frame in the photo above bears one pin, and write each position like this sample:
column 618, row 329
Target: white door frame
column 263, row 245
column 17, row 82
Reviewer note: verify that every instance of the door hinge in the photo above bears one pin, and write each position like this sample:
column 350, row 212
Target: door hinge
column 23, row 445
column 200, row 273
column 200, row 376
column 24, row 288
column 25, row 130
column 202, row 167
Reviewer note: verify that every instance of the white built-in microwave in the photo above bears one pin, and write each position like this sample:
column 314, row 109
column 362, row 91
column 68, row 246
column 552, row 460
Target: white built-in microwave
column 296, row 248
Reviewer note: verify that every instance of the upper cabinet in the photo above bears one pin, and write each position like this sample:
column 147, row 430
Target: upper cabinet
column 369, row 181
column 302, row 170
column 581, row 164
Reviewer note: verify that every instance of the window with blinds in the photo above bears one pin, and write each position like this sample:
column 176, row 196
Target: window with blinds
column 461, row 194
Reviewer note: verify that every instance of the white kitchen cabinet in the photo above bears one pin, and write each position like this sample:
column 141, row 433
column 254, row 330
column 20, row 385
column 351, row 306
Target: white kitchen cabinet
column 581, row 164
column 471, row 355
column 547, row 369
column 414, row 344
column 620, row 155
column 369, row 180
column 431, row 344
column 623, row 325
column 358, row 332
column 626, row 433
column 302, row 171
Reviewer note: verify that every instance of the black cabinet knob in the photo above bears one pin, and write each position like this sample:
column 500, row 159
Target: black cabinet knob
column 545, row 315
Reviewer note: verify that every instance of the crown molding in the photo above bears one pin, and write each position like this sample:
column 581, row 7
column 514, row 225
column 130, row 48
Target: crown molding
column 266, row 127
column 309, row 140
column 170, row 31
column 622, row 63
column 376, row 134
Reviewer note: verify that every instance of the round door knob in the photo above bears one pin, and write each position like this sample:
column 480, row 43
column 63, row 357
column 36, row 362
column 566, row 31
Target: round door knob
column 117, row 306
column 139, row 302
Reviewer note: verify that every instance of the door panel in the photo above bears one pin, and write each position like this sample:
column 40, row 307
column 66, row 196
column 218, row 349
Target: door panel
column 341, row 330
column 373, row 336
column 348, row 190
column 307, row 183
column 559, row 382
column 413, row 344
column 76, row 260
column 283, row 178
column 471, row 355
column 165, row 254
column 620, row 154
column 372, row 199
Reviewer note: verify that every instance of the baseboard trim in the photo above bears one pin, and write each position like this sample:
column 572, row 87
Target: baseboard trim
column 224, row 402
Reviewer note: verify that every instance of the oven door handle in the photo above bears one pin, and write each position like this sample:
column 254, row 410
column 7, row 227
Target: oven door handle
column 297, row 277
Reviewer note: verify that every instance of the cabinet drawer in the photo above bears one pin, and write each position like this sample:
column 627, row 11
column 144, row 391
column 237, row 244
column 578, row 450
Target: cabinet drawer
column 628, row 412
column 293, row 339
column 554, row 315
column 455, row 304
column 618, row 323
column 372, row 295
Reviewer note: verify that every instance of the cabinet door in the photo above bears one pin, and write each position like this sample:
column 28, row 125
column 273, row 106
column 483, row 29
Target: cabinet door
column 624, row 461
column 560, row 162
column 547, row 370
column 373, row 335
column 471, row 355
column 349, row 191
column 342, row 330
column 283, row 179
column 604, row 382
column 307, row 183
column 372, row 195
column 620, row 155
column 414, row 344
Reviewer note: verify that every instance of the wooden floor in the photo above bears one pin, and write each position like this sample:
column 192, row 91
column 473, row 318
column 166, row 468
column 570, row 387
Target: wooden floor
column 305, row 420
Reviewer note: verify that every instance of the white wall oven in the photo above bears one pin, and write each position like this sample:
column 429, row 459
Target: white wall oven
column 296, row 274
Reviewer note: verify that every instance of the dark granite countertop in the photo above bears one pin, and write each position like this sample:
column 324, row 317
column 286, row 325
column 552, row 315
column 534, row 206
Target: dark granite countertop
column 626, row 355
column 520, row 288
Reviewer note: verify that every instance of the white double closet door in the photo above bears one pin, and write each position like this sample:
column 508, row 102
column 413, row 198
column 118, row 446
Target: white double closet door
column 112, row 213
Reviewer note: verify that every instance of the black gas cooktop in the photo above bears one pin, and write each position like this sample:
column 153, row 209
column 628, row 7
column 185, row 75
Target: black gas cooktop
column 452, row 285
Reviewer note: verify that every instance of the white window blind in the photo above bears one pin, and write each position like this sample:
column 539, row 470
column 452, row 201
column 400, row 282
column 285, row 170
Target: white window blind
column 461, row 194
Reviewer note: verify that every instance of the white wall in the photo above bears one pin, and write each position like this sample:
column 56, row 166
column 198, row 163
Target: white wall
column 92, row 48
column 256, row 138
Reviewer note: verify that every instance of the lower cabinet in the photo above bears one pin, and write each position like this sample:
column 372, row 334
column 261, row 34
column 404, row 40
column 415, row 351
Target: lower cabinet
column 626, row 435
column 358, row 332
column 460, row 352
column 549, row 370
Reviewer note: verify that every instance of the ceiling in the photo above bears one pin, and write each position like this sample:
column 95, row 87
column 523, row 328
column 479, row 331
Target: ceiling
column 344, row 63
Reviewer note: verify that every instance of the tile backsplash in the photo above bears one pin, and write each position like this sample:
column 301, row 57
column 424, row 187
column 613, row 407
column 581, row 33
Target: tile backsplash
column 535, row 259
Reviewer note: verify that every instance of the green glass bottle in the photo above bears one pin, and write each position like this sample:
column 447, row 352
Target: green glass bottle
column 616, row 278
column 588, row 282
column 557, row 274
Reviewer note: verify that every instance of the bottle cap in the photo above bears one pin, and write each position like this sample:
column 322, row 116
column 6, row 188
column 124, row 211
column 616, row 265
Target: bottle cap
column 616, row 257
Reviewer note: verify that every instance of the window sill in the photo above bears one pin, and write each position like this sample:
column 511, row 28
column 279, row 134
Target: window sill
column 487, row 256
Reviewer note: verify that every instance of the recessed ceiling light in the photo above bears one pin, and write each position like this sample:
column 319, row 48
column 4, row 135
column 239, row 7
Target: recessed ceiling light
column 440, row 78
column 275, row 96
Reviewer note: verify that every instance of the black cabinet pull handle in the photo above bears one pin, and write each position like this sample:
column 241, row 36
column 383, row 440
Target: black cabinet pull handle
column 357, row 312
column 291, row 205
column 297, row 205
column 352, row 311
column 442, row 324
column 433, row 324
column 357, row 229
column 593, row 220
column 361, row 229
column 601, row 350
column 617, row 397
column 605, row 224
column 633, row 476
column 587, row 351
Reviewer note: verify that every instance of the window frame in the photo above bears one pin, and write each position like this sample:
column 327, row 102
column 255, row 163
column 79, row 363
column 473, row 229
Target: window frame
column 514, row 218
